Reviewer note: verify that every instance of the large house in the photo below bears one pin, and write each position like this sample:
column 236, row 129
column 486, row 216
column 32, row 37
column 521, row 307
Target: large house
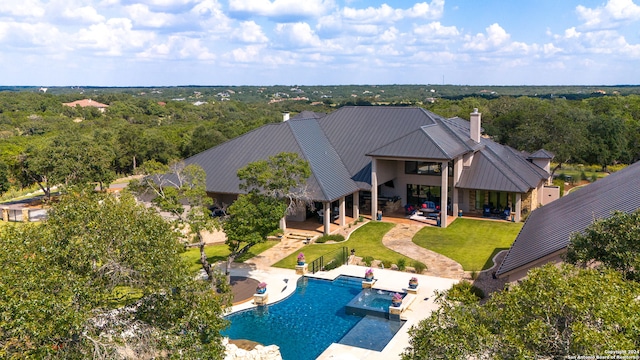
column 547, row 232
column 365, row 158
column 87, row 103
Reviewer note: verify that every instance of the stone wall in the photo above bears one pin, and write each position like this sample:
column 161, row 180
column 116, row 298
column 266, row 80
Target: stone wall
column 271, row 352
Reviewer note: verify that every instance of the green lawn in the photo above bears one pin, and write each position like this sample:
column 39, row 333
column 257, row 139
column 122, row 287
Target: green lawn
column 366, row 240
column 219, row 252
column 472, row 243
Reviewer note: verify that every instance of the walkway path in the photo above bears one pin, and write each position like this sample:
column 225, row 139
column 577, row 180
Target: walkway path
column 279, row 251
column 399, row 239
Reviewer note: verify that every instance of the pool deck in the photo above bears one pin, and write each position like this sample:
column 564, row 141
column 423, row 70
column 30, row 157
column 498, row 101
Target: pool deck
column 282, row 282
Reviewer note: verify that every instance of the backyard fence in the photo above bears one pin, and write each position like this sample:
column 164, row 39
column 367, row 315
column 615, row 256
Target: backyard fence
column 330, row 260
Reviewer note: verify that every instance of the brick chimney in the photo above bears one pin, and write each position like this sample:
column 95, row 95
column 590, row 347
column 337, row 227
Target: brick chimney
column 475, row 125
column 285, row 116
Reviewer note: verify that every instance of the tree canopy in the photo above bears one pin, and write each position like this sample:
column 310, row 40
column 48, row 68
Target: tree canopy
column 554, row 313
column 103, row 278
column 273, row 186
column 613, row 242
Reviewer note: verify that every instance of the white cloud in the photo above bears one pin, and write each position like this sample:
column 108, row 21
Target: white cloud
column 163, row 3
column 22, row 8
column 495, row 37
column 113, row 37
column 248, row 54
column 435, row 30
column 299, row 34
column 613, row 14
column 87, row 14
column 29, row 35
column 211, row 17
column 178, row 47
column 281, row 9
column 141, row 15
column 387, row 14
column 250, row 32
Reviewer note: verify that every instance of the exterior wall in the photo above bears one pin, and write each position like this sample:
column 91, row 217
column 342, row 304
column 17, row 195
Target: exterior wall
column 521, row 272
column 299, row 214
column 549, row 194
column 528, row 201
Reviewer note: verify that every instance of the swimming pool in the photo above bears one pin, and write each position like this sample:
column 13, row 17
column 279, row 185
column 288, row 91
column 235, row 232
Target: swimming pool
column 311, row 319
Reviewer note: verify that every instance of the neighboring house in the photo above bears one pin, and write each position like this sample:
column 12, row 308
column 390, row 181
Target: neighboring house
column 365, row 156
column 547, row 231
column 87, row 102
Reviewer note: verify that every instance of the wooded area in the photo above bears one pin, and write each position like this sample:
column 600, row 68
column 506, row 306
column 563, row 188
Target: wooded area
column 45, row 142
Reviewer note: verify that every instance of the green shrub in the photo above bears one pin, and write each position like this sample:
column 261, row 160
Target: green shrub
column 461, row 291
column 402, row 264
column 583, row 176
column 386, row 264
column 367, row 260
column 335, row 237
column 594, row 177
column 419, row 267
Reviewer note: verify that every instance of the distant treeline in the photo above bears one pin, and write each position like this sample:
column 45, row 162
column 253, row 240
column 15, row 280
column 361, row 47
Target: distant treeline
column 38, row 133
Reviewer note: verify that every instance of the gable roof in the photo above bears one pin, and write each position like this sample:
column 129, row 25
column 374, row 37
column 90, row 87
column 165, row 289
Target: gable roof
column 548, row 229
column 542, row 154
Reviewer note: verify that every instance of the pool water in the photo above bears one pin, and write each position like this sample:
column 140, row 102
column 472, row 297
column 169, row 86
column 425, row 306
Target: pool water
column 311, row 319
column 371, row 302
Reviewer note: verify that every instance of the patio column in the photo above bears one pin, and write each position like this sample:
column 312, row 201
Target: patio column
column 341, row 214
column 327, row 217
column 374, row 190
column 444, row 194
column 457, row 172
column 356, row 205
column 283, row 223
column 518, row 207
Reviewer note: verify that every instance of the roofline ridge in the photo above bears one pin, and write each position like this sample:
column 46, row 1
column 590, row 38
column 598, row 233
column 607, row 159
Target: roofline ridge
column 462, row 140
column 499, row 168
column 303, row 150
column 436, row 143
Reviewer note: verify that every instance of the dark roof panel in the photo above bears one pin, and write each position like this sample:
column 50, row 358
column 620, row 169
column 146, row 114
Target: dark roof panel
column 222, row 162
column 489, row 174
column 549, row 228
column 542, row 154
column 354, row 131
column 333, row 178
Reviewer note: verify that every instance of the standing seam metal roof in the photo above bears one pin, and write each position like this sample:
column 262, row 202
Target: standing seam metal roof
column 333, row 178
column 548, row 229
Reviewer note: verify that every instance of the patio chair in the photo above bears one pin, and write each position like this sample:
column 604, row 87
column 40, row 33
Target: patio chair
column 486, row 210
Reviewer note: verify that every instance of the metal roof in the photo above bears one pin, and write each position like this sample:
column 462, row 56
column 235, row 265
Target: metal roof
column 354, row 131
column 328, row 170
column 542, row 154
column 548, row 229
column 338, row 146
column 485, row 173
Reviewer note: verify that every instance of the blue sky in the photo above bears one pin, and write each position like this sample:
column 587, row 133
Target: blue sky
column 318, row 42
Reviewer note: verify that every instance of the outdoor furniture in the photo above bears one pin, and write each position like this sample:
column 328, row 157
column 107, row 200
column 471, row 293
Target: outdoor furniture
column 486, row 210
column 506, row 213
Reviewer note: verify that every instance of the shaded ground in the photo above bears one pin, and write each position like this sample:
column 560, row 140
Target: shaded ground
column 243, row 288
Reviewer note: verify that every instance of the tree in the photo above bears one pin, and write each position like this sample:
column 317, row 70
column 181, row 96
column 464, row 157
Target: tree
column 612, row 242
column 181, row 191
column 273, row 187
column 67, row 160
column 103, row 279
column 554, row 313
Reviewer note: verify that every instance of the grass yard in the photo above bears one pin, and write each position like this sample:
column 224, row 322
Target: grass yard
column 219, row 252
column 472, row 243
column 367, row 240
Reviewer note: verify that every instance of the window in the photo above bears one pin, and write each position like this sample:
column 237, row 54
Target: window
column 425, row 168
